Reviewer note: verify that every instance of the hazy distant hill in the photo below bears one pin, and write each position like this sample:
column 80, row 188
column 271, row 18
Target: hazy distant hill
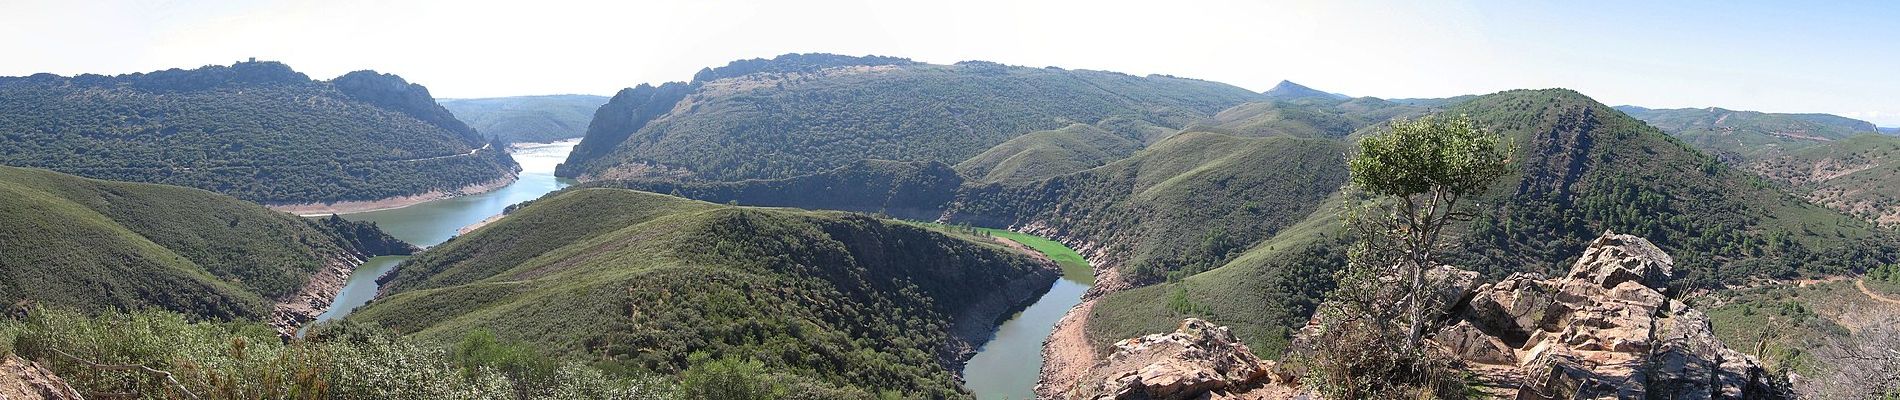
column 831, row 302
column 255, row 130
column 1287, row 90
column 528, row 118
column 93, row 245
column 800, row 114
column 1748, row 135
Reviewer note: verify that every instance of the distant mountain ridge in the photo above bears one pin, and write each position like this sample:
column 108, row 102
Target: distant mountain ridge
column 259, row 131
column 539, row 119
column 806, row 113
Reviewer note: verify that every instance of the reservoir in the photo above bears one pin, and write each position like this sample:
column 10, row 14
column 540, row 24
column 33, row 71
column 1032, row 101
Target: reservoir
column 431, row 223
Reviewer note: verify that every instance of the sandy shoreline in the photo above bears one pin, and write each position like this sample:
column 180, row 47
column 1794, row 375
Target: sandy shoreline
column 351, row 207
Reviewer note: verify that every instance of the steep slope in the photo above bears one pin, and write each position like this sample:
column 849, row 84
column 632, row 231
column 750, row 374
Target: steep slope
column 801, row 114
column 258, row 131
column 94, row 245
column 644, row 280
column 1287, row 90
column 1045, row 154
column 537, row 119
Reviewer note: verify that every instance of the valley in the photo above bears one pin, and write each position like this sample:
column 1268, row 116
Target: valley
column 680, row 200
column 431, row 223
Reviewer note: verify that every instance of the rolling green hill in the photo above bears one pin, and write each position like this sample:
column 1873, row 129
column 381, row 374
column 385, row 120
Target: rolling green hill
column 538, row 119
column 843, row 302
column 1310, row 117
column 258, row 131
column 802, row 114
column 93, row 245
column 1045, row 154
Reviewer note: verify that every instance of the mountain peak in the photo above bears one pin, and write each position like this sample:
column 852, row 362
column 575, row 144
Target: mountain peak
column 1287, row 90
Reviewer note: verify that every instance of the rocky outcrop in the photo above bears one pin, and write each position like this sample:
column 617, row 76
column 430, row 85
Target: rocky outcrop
column 291, row 312
column 22, row 379
column 1605, row 330
column 1197, row 360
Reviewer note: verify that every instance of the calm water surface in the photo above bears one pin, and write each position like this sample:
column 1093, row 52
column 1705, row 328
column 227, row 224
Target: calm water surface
column 431, row 223
column 1008, row 365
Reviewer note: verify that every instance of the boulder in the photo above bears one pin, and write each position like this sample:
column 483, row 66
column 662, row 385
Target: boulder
column 1197, row 360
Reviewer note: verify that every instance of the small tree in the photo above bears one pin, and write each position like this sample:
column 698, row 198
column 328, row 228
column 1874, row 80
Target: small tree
column 1425, row 169
column 1367, row 344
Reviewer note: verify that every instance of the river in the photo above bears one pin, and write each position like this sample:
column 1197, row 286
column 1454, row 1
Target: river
column 1008, row 365
column 431, row 223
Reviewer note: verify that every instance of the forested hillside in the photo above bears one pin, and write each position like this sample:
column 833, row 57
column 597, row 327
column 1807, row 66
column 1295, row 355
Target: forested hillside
column 258, row 131
column 801, row 114
column 93, row 245
column 539, row 119
column 827, row 304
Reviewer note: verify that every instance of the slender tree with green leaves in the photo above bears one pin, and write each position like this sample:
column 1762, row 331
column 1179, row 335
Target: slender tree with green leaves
column 1415, row 180
column 1423, row 171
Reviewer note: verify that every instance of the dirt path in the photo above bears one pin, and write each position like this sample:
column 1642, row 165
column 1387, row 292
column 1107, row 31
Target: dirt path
column 1862, row 285
column 1066, row 354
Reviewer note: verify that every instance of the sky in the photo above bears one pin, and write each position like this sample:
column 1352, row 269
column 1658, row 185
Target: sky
column 1834, row 57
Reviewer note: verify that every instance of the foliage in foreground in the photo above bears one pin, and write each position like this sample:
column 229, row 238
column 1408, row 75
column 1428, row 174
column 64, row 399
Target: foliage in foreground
column 243, row 360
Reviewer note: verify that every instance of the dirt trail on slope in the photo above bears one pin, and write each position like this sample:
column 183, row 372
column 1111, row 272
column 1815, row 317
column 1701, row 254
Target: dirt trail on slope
column 1862, row 285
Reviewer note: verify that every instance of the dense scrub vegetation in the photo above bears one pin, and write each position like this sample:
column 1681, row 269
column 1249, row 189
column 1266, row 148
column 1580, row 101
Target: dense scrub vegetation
column 254, row 130
column 539, row 119
column 738, row 301
column 802, row 114
column 97, row 245
column 246, row 360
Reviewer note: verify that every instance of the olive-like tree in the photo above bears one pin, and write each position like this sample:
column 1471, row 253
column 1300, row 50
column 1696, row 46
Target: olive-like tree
column 1423, row 171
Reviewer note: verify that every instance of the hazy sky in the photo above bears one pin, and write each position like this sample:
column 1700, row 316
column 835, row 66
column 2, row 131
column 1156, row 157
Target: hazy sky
column 1834, row 57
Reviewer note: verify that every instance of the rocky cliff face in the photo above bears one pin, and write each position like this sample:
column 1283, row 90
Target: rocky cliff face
column 1605, row 330
column 22, row 379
